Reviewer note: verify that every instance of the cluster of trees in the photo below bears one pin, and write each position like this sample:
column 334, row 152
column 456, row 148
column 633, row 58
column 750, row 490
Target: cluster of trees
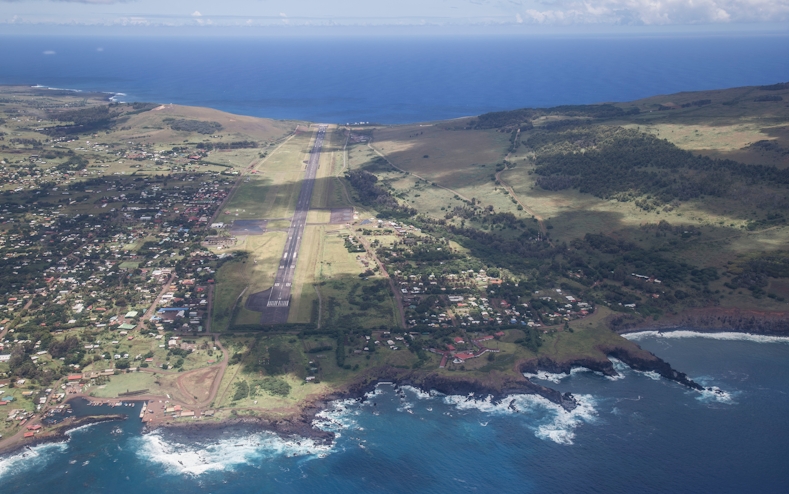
column 91, row 119
column 371, row 297
column 199, row 126
column 519, row 254
column 775, row 87
column 522, row 118
column 35, row 144
column 768, row 97
column 754, row 273
column 770, row 146
column 372, row 194
column 698, row 102
column 634, row 164
column 227, row 145
column 505, row 119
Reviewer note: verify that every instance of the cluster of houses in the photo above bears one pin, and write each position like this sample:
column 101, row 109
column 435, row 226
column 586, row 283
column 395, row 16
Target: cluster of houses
column 475, row 349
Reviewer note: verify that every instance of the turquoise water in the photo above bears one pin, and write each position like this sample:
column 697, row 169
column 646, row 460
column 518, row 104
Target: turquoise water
column 391, row 80
column 636, row 433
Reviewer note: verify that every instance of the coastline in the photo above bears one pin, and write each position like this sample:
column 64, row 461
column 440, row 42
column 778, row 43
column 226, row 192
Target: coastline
column 715, row 320
column 496, row 385
column 58, row 434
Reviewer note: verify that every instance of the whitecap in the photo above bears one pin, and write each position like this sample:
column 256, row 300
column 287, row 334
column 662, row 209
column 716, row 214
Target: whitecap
column 338, row 416
column 226, row 454
column 552, row 422
column 422, row 395
column 725, row 336
column 29, row 458
column 717, row 395
column 558, row 378
column 547, row 376
column 651, row 374
column 81, row 428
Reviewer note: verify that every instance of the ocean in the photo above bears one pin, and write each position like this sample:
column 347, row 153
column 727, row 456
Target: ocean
column 390, row 80
column 635, row 433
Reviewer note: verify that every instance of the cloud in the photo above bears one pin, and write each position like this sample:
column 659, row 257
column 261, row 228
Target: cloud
column 95, row 2
column 197, row 13
column 283, row 14
column 50, row 52
column 91, row 2
column 656, row 12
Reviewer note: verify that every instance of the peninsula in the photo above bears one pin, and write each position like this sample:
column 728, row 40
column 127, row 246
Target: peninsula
column 224, row 268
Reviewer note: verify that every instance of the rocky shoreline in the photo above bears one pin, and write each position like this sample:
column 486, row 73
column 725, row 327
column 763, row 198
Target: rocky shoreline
column 496, row 385
column 715, row 320
column 499, row 385
column 60, row 433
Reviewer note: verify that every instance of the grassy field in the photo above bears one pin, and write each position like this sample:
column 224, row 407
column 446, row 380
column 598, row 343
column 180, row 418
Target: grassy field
column 444, row 156
column 123, row 383
column 273, row 190
column 302, row 293
column 247, row 276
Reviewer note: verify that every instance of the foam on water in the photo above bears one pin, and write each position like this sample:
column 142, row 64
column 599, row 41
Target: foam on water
column 551, row 421
column 547, row 376
column 620, row 368
column 81, row 428
column 196, row 458
column 557, row 378
column 727, row 336
column 339, row 416
column 651, row 374
column 30, row 458
column 714, row 394
column 422, row 395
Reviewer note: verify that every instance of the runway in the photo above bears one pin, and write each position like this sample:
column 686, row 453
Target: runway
column 274, row 303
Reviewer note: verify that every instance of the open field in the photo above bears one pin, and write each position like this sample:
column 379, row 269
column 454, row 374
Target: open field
column 123, row 383
column 272, row 191
column 440, row 155
column 484, row 242
column 252, row 274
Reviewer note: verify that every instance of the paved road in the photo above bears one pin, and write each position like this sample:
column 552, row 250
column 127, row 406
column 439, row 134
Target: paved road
column 274, row 303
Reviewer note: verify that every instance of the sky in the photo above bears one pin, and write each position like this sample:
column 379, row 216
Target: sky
column 38, row 16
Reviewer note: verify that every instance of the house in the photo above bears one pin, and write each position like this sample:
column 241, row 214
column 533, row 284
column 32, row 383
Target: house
column 74, row 377
column 458, row 340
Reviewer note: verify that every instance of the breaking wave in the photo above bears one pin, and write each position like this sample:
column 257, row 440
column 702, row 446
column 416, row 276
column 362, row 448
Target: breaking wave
column 551, row 421
column 726, row 336
column 30, row 458
column 557, row 378
column 339, row 416
column 196, row 458
column 715, row 394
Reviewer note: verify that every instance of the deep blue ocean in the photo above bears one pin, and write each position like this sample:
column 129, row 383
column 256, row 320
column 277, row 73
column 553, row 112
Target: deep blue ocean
column 391, row 80
column 638, row 433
